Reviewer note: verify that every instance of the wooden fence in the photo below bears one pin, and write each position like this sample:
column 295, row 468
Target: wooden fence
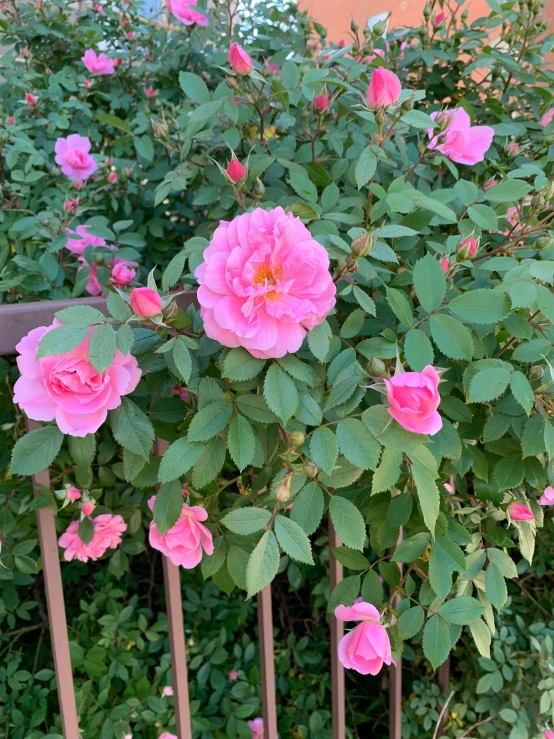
column 15, row 322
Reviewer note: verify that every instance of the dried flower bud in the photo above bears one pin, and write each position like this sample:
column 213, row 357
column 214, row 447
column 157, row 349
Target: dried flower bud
column 310, row 468
column 232, row 82
column 282, row 491
column 259, row 188
column 536, row 372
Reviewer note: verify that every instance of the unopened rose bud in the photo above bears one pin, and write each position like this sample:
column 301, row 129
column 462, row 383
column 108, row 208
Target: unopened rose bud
column 171, row 312
column 408, row 105
column 536, row 372
column 445, row 265
column 297, row 438
column 87, row 508
column 438, row 20
column 379, row 28
column 489, row 183
column 25, row 53
column 130, row 35
column 123, row 22
column 73, row 494
column 240, row 61
column 117, row 62
column 362, row 246
column 321, row 103
column 161, row 130
column 354, row 27
column 30, row 99
column 150, row 92
column 87, row 83
column 513, row 149
column 78, row 185
column 465, row 15
column 145, row 302
column 71, row 205
column 381, row 117
column 466, row 249
column 282, row 491
column 231, row 82
column 236, row 172
column 310, row 468
column 10, row 120
column 376, row 367
column 543, row 242
column 123, row 275
column 427, row 12
column 112, row 178
column 259, row 188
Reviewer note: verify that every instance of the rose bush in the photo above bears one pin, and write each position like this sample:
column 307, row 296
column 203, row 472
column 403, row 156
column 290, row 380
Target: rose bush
column 394, row 237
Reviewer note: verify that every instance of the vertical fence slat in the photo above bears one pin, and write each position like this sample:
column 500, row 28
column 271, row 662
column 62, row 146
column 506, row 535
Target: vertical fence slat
column 267, row 663
column 56, row 607
column 395, row 683
column 338, row 692
column 176, row 627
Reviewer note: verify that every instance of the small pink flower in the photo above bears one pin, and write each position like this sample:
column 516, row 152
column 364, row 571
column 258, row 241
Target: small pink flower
column 264, row 282
column 150, row 92
column 97, row 64
column 88, row 507
column 122, row 274
column 30, row 99
column 130, row 35
column 78, row 246
column 87, row 83
column 10, row 120
column 168, row 735
column 321, row 103
column 73, row 154
column 367, row 647
column 66, row 387
column 184, row 11
column 99, row 9
column 513, row 148
column 257, row 728
column 467, row 248
column 448, row 487
column 78, row 185
column 490, row 183
column 107, row 535
column 145, row 302
column 167, row 691
column 445, row 265
column 233, row 675
column 413, row 400
column 240, row 61
column 438, row 19
column 117, row 62
column 123, row 22
column 112, row 178
column 548, row 734
column 182, row 393
column 547, row 498
column 73, row 494
column 371, row 57
column 25, row 53
column 108, row 161
column 547, row 117
column 184, row 542
column 71, row 205
column 273, row 68
column 464, row 143
column 384, row 89
column 342, row 43
column 520, row 512
column 236, row 171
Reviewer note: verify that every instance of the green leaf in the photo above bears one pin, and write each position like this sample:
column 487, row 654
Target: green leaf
column 36, row 451
column 82, row 314
column 82, row 449
column 452, row 337
column 318, row 341
column 495, row 586
column 351, row 558
column 523, row 294
column 117, row 307
column 113, row 120
column 86, row 530
column 246, row 520
column 400, row 306
column 549, row 438
column 345, row 592
column 293, row 540
column 440, row 574
column 194, row 87
column 436, row 641
column 365, row 167
column 488, row 384
column 263, row 564
column 503, row 562
column 428, row 495
column 481, row 306
column 353, row 324
column 461, row 611
column 308, row 507
column 132, row 428
column 532, row 439
column 297, row 369
column 482, row 637
column 102, row 346
column 508, row 191
column 182, row 359
column 343, row 390
column 429, row 283
column 178, row 459
column 372, row 589
column 522, row 391
column 303, row 186
column 237, row 561
column 144, row 147
column 239, row 365
column 324, row 448
column 364, row 301
column 308, row 410
column 174, row 270
column 124, row 338
column 348, row 522
column 168, row 505
column 400, row 509
column 410, row 622
column 483, row 216
column 388, row 471
column 241, row 442
column 280, row 393
column 211, row 564
column 509, row 472
column 255, row 407
column 357, row 444
column 62, row 340
column 412, row 548
column 210, row 421
column 133, row 464
column 209, row 463
column 418, row 349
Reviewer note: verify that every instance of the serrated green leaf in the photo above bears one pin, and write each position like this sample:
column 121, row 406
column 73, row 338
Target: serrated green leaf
column 418, row 349
column 351, row 558
column 509, row 472
column 482, row 637
column 324, row 448
column 168, row 506
column 62, row 340
column 209, row 463
column 440, row 574
column 241, row 442
column 436, row 641
column 132, row 428
column 429, row 283
column 463, row 610
column 495, row 586
column 178, row 459
column 428, row 495
column 372, row 589
column 400, row 306
column 293, row 540
column 280, row 393
column 412, row 548
column 318, row 340
column 388, row 472
column 452, row 337
column 86, row 530
column 82, row 314
column 364, row 301
column 523, row 294
column 246, row 520
column 532, row 439
column 297, row 369
column 345, row 592
column 239, row 365
column 348, row 522
column 508, row 191
column 182, row 359
column 522, row 391
column 210, row 421
column 194, row 87
column 82, row 449
column 102, row 346
column 481, row 306
column 357, row 444
column 410, row 622
column 308, row 410
column 488, row 384
column 263, row 564
column 308, row 507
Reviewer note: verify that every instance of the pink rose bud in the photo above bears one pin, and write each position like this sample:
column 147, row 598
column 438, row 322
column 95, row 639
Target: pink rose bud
column 123, row 22
column 73, row 494
column 145, row 302
column 78, row 185
column 167, row 691
column 236, row 172
column 438, row 19
column 117, row 62
column 547, row 117
column 467, row 248
column 513, row 149
column 490, row 183
column 122, row 274
column 274, row 68
column 445, row 264
column 321, row 103
column 548, row 734
column 547, row 498
column 150, row 92
column 342, row 43
column 130, row 35
column 367, row 647
column 185, row 491
column 240, row 61
column 87, row 508
column 30, row 99
column 384, row 89
column 413, row 399
column 112, row 178
column 520, row 512
column 25, row 53
column 99, row 9
column 10, row 120
column 71, row 206
column 233, row 675
column 256, row 726
column 86, row 83
column 108, row 161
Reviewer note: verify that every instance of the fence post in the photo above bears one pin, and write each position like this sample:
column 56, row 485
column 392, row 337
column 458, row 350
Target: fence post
column 267, row 663
column 56, row 606
column 338, row 692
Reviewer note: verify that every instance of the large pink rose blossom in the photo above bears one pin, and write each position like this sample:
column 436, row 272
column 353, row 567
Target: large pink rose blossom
column 257, row 728
column 547, row 498
column 184, row 11
column 367, row 647
column 66, row 387
column 107, row 535
column 263, row 283
column 84, row 239
column 464, row 143
column 413, row 400
column 97, row 64
column 183, row 543
column 73, row 155
column 384, row 89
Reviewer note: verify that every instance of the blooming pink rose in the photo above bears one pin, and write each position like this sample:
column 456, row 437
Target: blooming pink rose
column 145, row 302
column 183, row 543
column 413, row 400
column 236, row 171
column 384, row 89
column 257, row 728
column 184, row 11
column 30, row 99
column 112, row 178
column 547, row 117
column 547, row 498
column 88, row 507
column 72, row 153
column 97, row 64
column 73, row 494
column 367, row 647
column 122, row 274
column 438, row 19
column 66, row 387
column 321, row 103
column 467, row 248
column 167, row 691
column 233, row 675
column 445, row 265
column 263, row 283
column 520, row 512
column 107, row 535
column 240, row 61
column 464, row 143
column 78, row 246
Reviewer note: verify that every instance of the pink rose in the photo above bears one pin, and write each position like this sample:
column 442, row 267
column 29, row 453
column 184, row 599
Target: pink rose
column 183, row 543
column 70, row 206
column 130, row 35
column 467, row 248
column 384, row 89
column 107, row 535
column 78, row 185
column 97, row 64
column 166, row 734
column 413, row 400
column 72, row 153
column 367, row 647
column 257, row 728
column 548, row 734
column 520, row 512
column 122, row 274
column 167, row 691
column 263, row 283
column 150, row 92
column 438, row 19
column 547, row 498
column 73, row 494
column 117, row 62
column 10, row 120
column 321, row 103
column 87, row 83
column 184, row 11
column 66, row 387
column 235, row 171
column 88, row 507
column 445, row 265
column 240, row 61
column 545, row 120
column 464, row 143
column 112, row 178
column 233, row 675
column 489, row 183
column 145, row 302
column 30, row 99
column 25, row 53
column 78, row 246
